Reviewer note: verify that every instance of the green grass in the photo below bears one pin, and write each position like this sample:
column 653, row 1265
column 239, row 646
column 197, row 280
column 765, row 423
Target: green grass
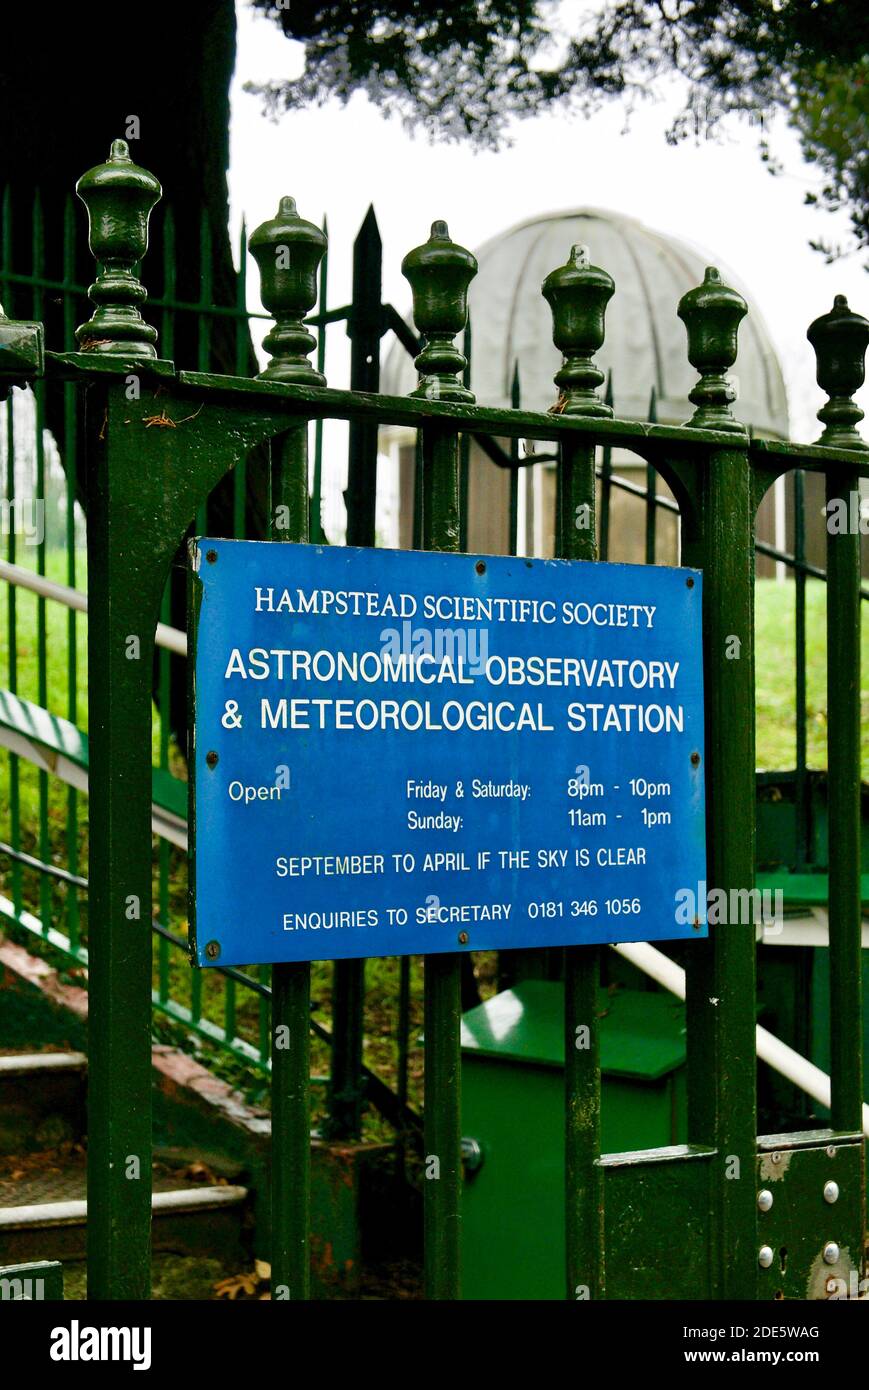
column 775, row 676
column 53, row 825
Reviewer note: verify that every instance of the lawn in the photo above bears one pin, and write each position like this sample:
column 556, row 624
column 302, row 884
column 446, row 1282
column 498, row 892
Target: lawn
column 52, row 824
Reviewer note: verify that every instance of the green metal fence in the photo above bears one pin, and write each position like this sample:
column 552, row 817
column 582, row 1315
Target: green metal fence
column 152, row 467
column 235, row 1015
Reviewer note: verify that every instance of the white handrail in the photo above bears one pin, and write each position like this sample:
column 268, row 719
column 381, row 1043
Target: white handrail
column 172, row 638
column 770, row 1049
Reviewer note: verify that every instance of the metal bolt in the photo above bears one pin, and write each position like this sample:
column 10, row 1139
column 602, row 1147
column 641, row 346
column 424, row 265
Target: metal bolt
column 212, row 950
column 463, row 938
column 695, row 759
column 831, row 1192
column 831, row 1151
column 480, row 567
column 764, row 1199
column 211, row 556
column 775, row 1158
column 690, row 583
column 211, row 758
column 472, row 1155
column 765, row 1256
column 831, row 1252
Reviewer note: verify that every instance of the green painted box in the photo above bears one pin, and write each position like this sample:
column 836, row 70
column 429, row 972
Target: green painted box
column 513, row 1114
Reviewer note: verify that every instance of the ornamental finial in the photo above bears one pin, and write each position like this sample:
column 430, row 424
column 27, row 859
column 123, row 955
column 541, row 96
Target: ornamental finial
column 440, row 272
column 578, row 294
column 712, row 314
column 288, row 251
column 119, row 197
column 840, row 339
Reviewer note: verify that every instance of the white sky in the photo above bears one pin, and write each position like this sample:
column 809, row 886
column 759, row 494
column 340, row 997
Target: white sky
column 718, row 196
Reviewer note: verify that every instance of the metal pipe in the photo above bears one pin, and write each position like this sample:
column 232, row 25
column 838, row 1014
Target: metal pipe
column 172, row 638
column 770, row 1049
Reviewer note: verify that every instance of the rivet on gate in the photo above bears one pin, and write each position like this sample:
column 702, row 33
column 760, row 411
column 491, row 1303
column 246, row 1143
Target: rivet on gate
column 695, row 759
column 212, row 950
column 211, row 557
column 831, row 1192
column 480, row 567
column 831, row 1252
column 764, row 1199
column 765, row 1256
column 463, row 938
column 211, row 758
column 689, row 582
column 775, row 1158
column 831, row 1151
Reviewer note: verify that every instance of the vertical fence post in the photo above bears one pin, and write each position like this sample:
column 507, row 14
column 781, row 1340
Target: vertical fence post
column 578, row 294
column 719, row 537
column 513, row 512
column 318, row 535
column 840, row 339
column 801, row 797
column 364, row 328
column 606, row 485
column 439, row 273
column 651, row 489
column 119, row 197
column 288, row 251
column 11, row 556
column 465, row 444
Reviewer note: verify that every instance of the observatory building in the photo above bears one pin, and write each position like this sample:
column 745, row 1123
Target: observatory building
column 644, row 357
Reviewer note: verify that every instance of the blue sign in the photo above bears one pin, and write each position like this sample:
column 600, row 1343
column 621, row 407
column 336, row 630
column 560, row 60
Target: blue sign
column 399, row 753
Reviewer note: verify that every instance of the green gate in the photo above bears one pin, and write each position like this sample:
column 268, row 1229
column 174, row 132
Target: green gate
column 690, row 1221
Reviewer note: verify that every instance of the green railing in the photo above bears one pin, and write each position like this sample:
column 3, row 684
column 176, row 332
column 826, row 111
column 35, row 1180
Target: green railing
column 202, row 427
column 235, row 1017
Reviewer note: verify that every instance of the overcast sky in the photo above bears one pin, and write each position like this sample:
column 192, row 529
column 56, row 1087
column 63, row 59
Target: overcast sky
column 716, row 196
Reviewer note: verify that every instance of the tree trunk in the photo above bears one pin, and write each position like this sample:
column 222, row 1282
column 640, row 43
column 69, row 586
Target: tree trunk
column 169, row 67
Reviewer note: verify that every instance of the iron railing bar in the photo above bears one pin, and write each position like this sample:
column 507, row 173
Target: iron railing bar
column 844, row 794
column 442, row 1191
column 53, row 870
column 291, row 980
column 329, row 316
column 800, row 701
column 585, row 1255
column 172, row 638
column 403, row 332
column 202, row 307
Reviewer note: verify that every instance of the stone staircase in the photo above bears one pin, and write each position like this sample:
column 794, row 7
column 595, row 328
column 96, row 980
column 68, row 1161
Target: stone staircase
column 43, row 1163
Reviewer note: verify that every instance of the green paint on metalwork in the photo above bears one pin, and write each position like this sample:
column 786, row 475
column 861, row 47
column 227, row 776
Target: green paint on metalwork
column 578, row 294
column 712, row 313
column 288, row 251
column 440, row 272
column 144, row 488
column 840, row 339
column 119, row 197
column 801, row 1224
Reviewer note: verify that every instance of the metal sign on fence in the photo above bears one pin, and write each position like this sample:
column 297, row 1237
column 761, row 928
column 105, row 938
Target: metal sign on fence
column 405, row 752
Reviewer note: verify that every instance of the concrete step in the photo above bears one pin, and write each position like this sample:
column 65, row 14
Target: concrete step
column 42, row 1100
column 43, row 1211
column 14, row 1064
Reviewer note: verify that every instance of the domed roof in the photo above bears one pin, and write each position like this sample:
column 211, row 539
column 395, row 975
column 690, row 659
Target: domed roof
column 646, row 344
